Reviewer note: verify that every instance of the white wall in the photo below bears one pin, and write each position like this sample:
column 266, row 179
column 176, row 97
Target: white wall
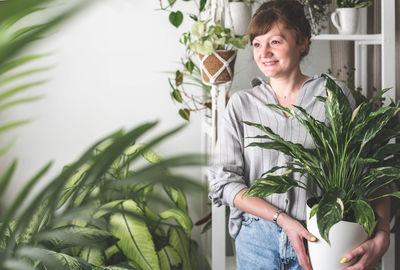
column 108, row 73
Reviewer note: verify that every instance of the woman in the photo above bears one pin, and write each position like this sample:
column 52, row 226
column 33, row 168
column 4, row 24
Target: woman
column 270, row 232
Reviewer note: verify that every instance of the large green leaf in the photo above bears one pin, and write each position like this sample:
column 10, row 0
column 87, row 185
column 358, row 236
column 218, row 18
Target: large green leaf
column 181, row 218
column 330, row 211
column 135, row 239
column 270, row 184
column 169, row 258
column 337, row 108
column 54, row 260
column 181, row 243
column 71, row 236
column 364, row 215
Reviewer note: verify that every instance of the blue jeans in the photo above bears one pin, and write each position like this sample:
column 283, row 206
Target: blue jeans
column 263, row 245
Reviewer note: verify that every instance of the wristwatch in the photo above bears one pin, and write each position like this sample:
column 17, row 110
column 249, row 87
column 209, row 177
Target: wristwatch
column 276, row 215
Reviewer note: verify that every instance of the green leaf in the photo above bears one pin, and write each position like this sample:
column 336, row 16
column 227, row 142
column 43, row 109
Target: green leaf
column 135, row 239
column 189, row 66
column 72, row 236
column 176, row 18
column 181, row 218
column 151, row 156
column 270, row 184
column 92, row 256
column 171, row 2
column 202, row 5
column 54, row 260
column 178, row 197
column 178, row 78
column 8, row 126
column 364, row 215
column 314, row 210
column 181, row 243
column 176, row 94
column 330, row 211
column 169, row 258
column 6, row 177
column 184, row 113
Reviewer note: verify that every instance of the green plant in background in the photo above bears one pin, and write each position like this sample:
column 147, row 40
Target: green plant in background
column 317, row 12
column 189, row 73
column 353, row 3
column 13, row 70
column 146, row 240
column 351, row 162
column 210, row 38
column 96, row 213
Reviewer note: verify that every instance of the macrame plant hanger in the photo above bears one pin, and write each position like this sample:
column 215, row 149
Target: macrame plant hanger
column 217, row 11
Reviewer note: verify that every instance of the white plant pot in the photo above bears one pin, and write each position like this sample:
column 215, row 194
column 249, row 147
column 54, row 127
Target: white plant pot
column 344, row 236
column 241, row 16
column 345, row 20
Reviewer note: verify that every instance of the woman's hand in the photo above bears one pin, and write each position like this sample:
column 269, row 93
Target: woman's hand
column 368, row 252
column 296, row 234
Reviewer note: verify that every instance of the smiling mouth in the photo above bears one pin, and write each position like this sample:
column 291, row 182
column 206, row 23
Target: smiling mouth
column 270, row 63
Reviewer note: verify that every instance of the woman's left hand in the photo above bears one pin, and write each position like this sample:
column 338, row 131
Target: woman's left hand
column 369, row 252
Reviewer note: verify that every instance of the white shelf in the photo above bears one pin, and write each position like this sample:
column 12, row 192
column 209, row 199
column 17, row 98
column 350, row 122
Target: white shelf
column 365, row 39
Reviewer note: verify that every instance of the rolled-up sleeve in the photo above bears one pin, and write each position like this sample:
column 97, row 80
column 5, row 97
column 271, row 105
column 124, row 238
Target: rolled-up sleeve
column 226, row 173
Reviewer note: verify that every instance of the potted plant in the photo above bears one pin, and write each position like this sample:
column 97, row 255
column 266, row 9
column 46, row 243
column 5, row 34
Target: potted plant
column 345, row 17
column 351, row 162
column 216, row 48
column 317, row 12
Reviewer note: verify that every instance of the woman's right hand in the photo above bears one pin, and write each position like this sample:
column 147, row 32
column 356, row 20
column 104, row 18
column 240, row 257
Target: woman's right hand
column 296, row 234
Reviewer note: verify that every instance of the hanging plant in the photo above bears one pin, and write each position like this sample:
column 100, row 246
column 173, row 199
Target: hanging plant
column 188, row 74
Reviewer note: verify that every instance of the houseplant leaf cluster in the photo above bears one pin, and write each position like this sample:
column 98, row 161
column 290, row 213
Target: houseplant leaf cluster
column 210, row 38
column 353, row 3
column 97, row 215
column 353, row 159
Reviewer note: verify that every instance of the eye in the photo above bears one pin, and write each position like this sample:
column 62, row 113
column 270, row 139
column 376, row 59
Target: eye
column 275, row 42
column 256, row 44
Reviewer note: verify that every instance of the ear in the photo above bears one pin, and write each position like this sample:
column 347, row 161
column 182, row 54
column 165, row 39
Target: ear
column 304, row 44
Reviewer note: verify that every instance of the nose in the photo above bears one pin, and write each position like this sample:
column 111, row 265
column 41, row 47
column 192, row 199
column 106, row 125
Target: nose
column 266, row 51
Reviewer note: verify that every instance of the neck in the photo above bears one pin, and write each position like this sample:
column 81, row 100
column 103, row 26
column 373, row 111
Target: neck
column 288, row 85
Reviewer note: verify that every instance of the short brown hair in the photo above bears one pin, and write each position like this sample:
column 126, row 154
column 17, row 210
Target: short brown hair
column 288, row 12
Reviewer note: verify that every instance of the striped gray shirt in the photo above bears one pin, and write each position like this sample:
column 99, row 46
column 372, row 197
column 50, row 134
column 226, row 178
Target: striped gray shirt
column 236, row 167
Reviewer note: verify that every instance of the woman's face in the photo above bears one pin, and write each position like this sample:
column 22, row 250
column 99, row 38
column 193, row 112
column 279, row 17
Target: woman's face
column 276, row 52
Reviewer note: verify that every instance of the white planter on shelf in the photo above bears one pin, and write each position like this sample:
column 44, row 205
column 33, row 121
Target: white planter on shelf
column 344, row 236
column 345, row 20
column 241, row 16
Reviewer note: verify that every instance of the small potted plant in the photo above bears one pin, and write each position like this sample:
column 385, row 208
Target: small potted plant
column 217, row 49
column 345, row 17
column 351, row 164
column 317, row 12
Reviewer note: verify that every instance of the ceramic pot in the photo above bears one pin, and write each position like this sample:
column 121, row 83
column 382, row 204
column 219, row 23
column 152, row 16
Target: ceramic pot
column 344, row 236
column 218, row 67
column 345, row 20
column 241, row 16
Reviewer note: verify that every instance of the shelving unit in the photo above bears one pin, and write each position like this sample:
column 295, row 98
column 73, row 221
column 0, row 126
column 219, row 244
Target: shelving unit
column 386, row 39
